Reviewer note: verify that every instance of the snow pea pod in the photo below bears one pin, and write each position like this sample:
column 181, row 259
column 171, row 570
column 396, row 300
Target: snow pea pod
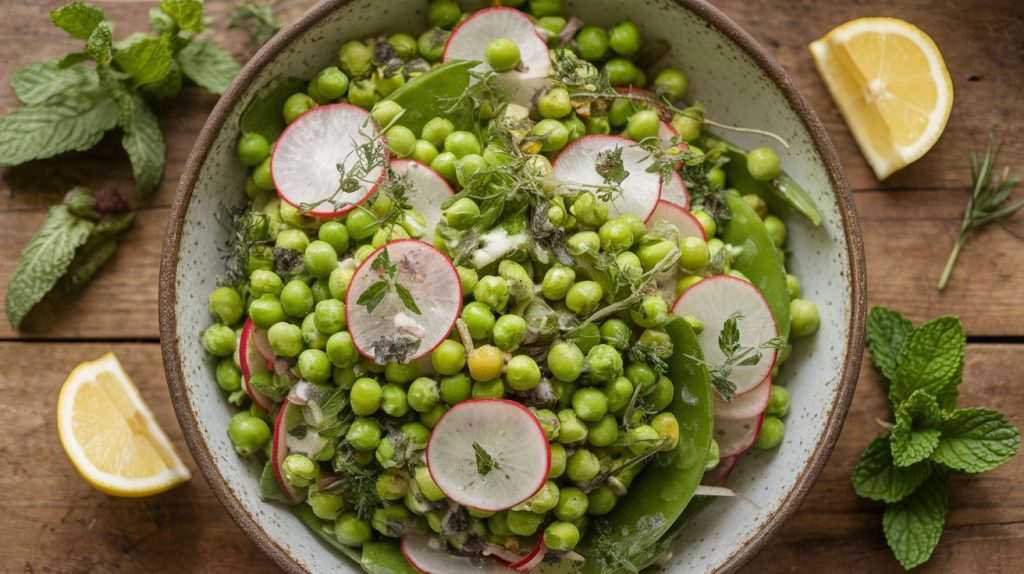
column 325, row 531
column 658, row 497
column 783, row 190
column 433, row 94
column 759, row 260
column 263, row 116
column 385, row 557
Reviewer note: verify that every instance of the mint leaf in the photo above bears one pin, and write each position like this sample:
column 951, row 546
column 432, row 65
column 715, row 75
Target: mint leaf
column 160, row 22
column 78, row 19
column 913, row 525
column 373, row 295
column 932, row 360
column 100, row 45
column 187, row 14
column 976, row 440
column 876, row 476
column 916, row 432
column 37, row 83
column 887, row 330
column 44, row 260
column 74, row 123
column 142, row 139
column 208, row 66
column 167, row 88
column 146, row 61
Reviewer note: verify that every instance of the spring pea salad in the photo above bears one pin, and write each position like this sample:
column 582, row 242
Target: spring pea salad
column 498, row 302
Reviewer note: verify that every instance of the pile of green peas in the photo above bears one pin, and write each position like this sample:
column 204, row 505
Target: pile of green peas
column 606, row 408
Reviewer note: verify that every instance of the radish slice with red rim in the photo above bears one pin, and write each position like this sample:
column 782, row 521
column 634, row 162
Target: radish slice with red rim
column 714, row 300
column 489, row 454
column 412, row 312
column 745, row 406
column 735, row 436
column 288, row 418
column 673, row 190
column 641, row 190
column 683, row 220
column 426, row 555
column 716, row 476
column 253, row 362
column 534, row 557
column 306, row 157
column 469, row 41
column 428, row 191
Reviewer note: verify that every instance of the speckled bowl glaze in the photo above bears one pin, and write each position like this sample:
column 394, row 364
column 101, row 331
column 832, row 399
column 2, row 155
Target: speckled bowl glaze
column 740, row 83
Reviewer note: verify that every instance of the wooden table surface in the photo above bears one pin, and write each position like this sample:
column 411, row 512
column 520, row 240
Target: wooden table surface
column 53, row 522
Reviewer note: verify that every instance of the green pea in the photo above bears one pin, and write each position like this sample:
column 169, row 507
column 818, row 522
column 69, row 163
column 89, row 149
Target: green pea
column 363, row 434
column 386, row 111
column 427, row 485
column 620, row 111
column 653, row 312
column 584, row 297
column 393, row 400
column 416, row 433
column 616, row 235
column 624, row 39
column 248, row 434
column 509, row 331
column 603, row 432
column 582, row 466
column 296, row 105
column 449, row 357
column 554, row 104
column 619, row 393
column 593, row 43
column 671, row 83
column 565, row 361
column 299, row 470
column 590, row 211
column 479, row 320
column 341, row 350
column 266, row 311
column 605, row 365
column 772, row 431
column 404, row 45
column 558, row 460
column 402, row 374
column 523, row 522
column 601, row 500
column 297, row 298
column 551, row 134
column 572, row 504
column 314, row 366
column 293, row 239
column 616, row 332
column 331, row 83
column 493, row 292
column 355, row 59
column 570, row 428
column 716, row 177
column 643, row 124
column 219, row 340
column 542, row 501
column 313, row 338
column 365, row 396
column 468, row 165
column 226, row 305
column 423, row 394
column 660, row 396
column 557, row 281
column 261, row 176
column 444, row 164
column 253, row 149
column 325, row 505
column 763, row 164
column 551, row 24
column 597, row 125
column 363, row 93
column 462, row 214
column 361, row 224
column 621, row 72
column 462, row 143
column 492, row 389
column 502, row 55
column 793, row 286
column 320, row 258
column 575, row 126
column 586, row 337
column 443, row 13
column 776, row 230
column 658, row 341
column 350, row 530
column 391, row 484
column 437, row 130
column 263, row 282
column 803, row 317
column 455, row 388
column 522, row 373
column 541, row 8
column 431, row 44
column 228, row 375
column 590, row 404
column 400, row 140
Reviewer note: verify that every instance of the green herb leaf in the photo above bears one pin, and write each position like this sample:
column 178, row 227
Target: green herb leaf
column 74, row 123
column 44, row 260
column 976, row 440
column 142, row 139
column 484, row 462
column 913, row 525
column 89, row 258
column 78, row 19
column 373, row 295
column 187, row 14
column 161, row 23
column 100, row 45
column 270, row 488
column 167, row 88
column 208, row 66
column 932, row 360
column 887, row 330
column 916, row 432
column 877, row 477
column 407, row 299
column 255, row 18
column 146, row 61
column 38, row 83
column 729, row 338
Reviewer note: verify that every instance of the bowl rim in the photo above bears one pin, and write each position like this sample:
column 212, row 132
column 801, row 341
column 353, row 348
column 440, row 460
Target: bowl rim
column 232, row 97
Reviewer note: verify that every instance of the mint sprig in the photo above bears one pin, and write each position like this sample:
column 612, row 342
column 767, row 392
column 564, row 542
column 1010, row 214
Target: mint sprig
column 908, row 467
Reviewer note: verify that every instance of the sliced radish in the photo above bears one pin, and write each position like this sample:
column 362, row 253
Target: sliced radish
column 641, row 190
column 720, row 491
column 289, row 417
column 436, row 290
column 652, row 100
column 306, row 157
column 714, row 300
column 735, row 436
column 534, row 557
column 429, row 191
column 716, row 476
column 673, row 190
column 509, row 434
column 685, row 222
column 253, row 362
column 469, row 40
column 667, row 134
column 746, row 406
column 426, row 555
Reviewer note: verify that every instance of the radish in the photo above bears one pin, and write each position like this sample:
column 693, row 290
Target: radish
column 253, row 361
column 735, row 436
column 641, row 190
column 746, row 406
column 532, row 558
column 489, row 454
column 419, row 299
column 429, row 191
column 651, row 101
column 716, row 476
column 289, row 417
column 685, row 222
column 667, row 134
column 306, row 159
column 717, row 299
column 469, row 41
column 673, row 190
column 719, row 491
column 425, row 554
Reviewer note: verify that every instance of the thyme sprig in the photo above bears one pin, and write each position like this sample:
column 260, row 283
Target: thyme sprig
column 985, row 205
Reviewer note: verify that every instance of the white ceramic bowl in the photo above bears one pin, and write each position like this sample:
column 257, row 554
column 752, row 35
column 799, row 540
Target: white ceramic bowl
column 740, row 83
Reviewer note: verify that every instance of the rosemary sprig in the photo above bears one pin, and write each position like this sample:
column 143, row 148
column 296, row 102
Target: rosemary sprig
column 986, row 202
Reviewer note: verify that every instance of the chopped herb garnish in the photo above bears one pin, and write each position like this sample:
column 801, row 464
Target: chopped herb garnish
column 485, row 463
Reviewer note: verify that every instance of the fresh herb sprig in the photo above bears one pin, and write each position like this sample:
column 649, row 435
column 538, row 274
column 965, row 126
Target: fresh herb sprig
column 909, row 465
column 257, row 19
column 376, row 292
column 989, row 193
column 485, row 463
column 736, row 355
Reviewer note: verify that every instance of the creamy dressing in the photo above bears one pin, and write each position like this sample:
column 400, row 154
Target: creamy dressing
column 496, row 244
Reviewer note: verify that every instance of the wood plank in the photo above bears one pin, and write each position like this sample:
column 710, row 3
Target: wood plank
column 835, row 531
column 54, row 522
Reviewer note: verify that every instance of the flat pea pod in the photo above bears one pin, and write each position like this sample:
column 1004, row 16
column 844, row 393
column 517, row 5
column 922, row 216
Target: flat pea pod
column 781, row 190
column 325, row 531
column 385, row 557
column 796, row 196
column 433, row 94
column 760, row 261
column 263, row 116
column 657, row 498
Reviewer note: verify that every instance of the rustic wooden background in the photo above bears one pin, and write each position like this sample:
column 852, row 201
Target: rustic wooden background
column 53, row 522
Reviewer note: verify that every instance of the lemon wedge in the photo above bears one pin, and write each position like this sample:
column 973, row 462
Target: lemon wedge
column 891, row 85
column 110, row 434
